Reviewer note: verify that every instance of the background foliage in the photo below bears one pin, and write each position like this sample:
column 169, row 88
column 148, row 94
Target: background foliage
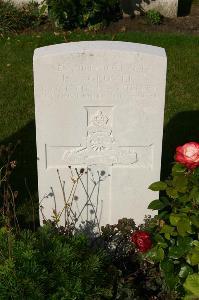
column 81, row 13
column 14, row 18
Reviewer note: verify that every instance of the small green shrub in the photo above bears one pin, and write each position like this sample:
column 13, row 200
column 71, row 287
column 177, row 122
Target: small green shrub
column 153, row 17
column 82, row 13
column 14, row 18
column 49, row 265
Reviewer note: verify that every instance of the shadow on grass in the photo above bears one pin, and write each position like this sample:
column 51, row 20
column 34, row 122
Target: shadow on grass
column 24, row 178
column 183, row 128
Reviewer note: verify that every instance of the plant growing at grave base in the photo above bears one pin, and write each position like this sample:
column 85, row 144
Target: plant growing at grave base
column 175, row 233
column 153, row 17
column 71, row 215
column 48, row 264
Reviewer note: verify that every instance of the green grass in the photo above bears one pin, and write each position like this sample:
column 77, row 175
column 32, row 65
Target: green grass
column 16, row 88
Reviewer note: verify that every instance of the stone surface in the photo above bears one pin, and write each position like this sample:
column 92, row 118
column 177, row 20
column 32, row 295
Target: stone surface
column 168, row 8
column 99, row 106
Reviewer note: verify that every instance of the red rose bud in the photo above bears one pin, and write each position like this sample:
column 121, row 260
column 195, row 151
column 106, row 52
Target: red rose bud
column 188, row 155
column 142, row 240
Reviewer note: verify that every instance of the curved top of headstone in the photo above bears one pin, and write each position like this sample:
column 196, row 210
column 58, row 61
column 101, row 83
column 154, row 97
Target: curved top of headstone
column 84, row 46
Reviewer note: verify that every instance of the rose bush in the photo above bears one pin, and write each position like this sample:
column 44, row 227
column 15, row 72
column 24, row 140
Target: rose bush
column 175, row 229
column 188, row 155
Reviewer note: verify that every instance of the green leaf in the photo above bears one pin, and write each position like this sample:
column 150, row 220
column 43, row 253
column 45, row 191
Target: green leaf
column 176, row 252
column 165, row 200
column 194, row 195
column 160, row 254
column 178, row 168
column 167, row 268
column 195, row 220
column 193, row 257
column 158, row 186
column 183, row 226
column 163, row 215
column 180, row 182
column 167, row 229
column 185, row 242
column 155, row 254
column 196, row 172
column 172, row 192
column 174, row 219
column 183, row 246
column 159, row 238
column 185, row 271
column 171, row 281
column 160, row 241
column 196, row 243
column 192, row 284
column 190, row 297
column 185, row 209
column 156, row 205
column 167, row 236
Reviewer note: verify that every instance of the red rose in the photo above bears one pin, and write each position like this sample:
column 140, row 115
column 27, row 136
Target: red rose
column 188, row 155
column 142, row 240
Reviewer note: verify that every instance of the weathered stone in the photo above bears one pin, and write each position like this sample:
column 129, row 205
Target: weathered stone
column 20, row 2
column 99, row 106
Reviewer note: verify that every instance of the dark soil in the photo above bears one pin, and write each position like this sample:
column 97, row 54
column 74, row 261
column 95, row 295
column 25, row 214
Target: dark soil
column 186, row 24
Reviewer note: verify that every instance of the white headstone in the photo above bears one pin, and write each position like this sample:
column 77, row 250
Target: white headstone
column 99, row 106
column 167, row 8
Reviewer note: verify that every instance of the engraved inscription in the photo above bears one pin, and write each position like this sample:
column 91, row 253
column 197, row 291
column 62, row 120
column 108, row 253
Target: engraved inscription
column 96, row 79
column 101, row 147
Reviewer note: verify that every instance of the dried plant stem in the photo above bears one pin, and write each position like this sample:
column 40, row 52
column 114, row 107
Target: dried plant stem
column 89, row 199
column 67, row 205
column 32, row 203
column 14, row 209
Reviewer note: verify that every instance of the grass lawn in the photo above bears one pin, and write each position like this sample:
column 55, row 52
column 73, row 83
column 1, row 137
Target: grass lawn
column 16, row 89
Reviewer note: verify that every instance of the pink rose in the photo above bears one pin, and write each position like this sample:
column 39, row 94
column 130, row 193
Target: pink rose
column 188, row 155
